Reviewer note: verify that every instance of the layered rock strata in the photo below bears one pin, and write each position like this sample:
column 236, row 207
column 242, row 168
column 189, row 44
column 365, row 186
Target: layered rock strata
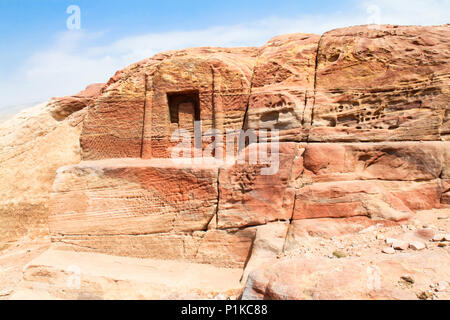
column 362, row 116
column 34, row 144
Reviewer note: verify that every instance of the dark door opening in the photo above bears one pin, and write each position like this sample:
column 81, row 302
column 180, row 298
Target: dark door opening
column 184, row 108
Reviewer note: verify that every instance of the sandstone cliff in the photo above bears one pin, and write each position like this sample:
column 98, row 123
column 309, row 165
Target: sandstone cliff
column 363, row 120
column 34, row 144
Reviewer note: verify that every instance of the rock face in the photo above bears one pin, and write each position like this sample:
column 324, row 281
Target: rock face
column 61, row 108
column 34, row 144
column 362, row 119
column 386, row 84
column 138, row 111
column 325, row 279
column 103, row 277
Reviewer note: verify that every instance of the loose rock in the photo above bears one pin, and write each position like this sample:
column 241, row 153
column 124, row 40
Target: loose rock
column 388, row 250
column 441, row 237
column 390, row 241
column 339, row 254
column 381, row 237
column 6, row 292
column 400, row 245
column 417, row 245
column 441, row 286
column 408, row 279
column 425, row 233
column 425, row 295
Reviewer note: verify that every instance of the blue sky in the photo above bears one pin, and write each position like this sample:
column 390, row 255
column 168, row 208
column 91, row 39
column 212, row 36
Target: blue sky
column 41, row 58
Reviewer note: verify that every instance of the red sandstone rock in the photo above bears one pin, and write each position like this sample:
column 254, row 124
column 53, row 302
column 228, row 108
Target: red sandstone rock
column 218, row 78
column 249, row 198
column 405, row 161
column 283, row 86
column 381, row 84
column 417, row 245
column 61, row 108
column 445, row 198
column 322, row 278
column 388, row 250
column 349, row 199
column 133, row 197
column 363, row 122
column 269, row 242
column 425, row 233
column 328, row 227
column 400, row 244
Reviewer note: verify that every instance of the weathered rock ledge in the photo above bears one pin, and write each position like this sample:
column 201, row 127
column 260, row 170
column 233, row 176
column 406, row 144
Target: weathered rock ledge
column 363, row 120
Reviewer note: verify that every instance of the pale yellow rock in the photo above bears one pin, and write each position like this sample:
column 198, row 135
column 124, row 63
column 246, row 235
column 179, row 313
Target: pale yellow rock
column 77, row 275
column 33, row 146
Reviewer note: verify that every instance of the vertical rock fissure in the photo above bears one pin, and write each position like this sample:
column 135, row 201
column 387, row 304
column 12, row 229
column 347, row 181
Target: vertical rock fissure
column 144, row 115
column 249, row 256
column 291, row 219
column 218, row 197
column 315, row 80
column 213, row 104
column 216, row 214
column 304, row 107
column 250, row 91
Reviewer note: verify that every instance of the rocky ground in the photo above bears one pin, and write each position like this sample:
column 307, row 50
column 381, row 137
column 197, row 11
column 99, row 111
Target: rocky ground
column 14, row 259
column 374, row 240
column 408, row 261
column 364, row 265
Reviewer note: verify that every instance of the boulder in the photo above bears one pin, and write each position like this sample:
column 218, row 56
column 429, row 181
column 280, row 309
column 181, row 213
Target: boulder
column 61, row 108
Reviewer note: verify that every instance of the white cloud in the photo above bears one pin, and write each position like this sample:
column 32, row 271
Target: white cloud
column 75, row 60
column 411, row 12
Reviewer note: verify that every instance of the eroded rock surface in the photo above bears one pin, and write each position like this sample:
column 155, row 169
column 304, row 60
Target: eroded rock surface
column 61, row 108
column 33, row 146
column 362, row 117
column 357, row 259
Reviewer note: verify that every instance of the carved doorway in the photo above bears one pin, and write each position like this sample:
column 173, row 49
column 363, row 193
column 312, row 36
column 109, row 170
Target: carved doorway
column 184, row 108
